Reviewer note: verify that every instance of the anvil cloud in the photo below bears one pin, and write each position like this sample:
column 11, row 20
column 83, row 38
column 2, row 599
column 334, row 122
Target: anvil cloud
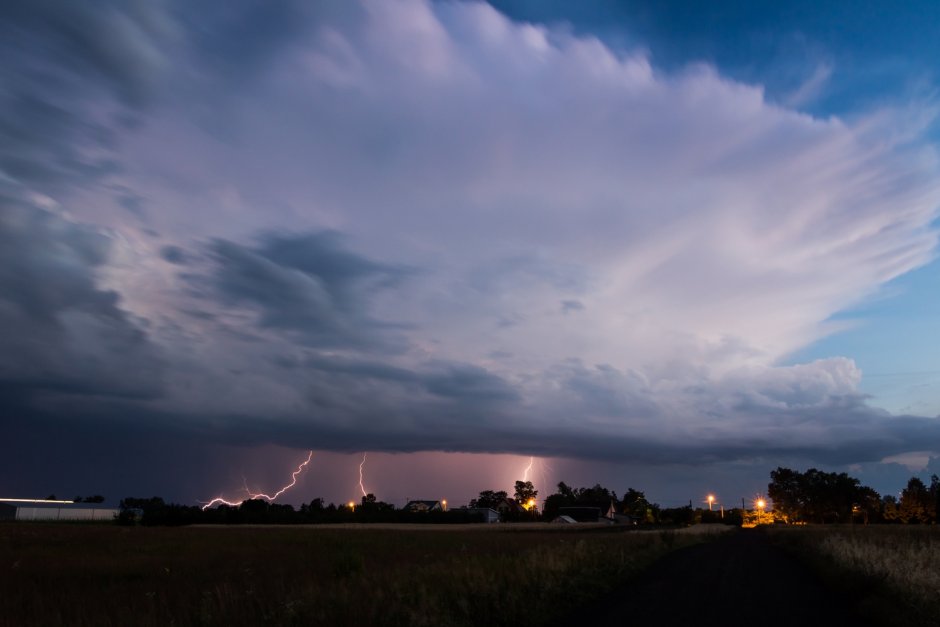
column 406, row 226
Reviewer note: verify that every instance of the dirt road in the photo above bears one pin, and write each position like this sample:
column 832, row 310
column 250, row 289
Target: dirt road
column 739, row 579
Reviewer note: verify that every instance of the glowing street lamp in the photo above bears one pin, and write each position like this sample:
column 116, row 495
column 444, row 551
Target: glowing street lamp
column 444, row 504
column 352, row 506
column 711, row 501
column 761, row 503
column 530, row 504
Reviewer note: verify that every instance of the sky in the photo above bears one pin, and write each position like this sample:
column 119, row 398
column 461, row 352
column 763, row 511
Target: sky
column 656, row 245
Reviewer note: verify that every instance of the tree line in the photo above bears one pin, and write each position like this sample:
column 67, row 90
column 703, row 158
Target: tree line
column 815, row 496
column 633, row 507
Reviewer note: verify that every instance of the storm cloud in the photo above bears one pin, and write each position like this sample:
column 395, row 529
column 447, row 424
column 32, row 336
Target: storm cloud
column 62, row 333
column 420, row 226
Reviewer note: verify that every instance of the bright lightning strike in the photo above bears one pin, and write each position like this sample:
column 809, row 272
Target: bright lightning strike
column 528, row 469
column 361, row 464
column 269, row 498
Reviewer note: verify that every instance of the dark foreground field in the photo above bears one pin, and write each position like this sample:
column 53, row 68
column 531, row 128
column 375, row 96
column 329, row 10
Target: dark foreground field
column 742, row 578
column 60, row 574
column 852, row 575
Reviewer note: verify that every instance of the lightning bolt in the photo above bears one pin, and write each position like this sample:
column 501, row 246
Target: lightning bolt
column 544, row 470
column 260, row 495
column 528, row 469
column 361, row 464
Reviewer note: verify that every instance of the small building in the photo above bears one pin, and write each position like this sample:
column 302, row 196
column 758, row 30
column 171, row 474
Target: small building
column 424, row 506
column 565, row 520
column 602, row 512
column 67, row 513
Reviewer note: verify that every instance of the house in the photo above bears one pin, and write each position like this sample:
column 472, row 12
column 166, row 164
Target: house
column 509, row 507
column 488, row 514
column 424, row 506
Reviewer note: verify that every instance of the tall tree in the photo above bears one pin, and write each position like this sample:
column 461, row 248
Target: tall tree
column 635, row 504
column 525, row 492
column 916, row 503
column 935, row 496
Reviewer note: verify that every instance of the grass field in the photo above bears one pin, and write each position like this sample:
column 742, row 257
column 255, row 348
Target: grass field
column 62, row 574
column 894, row 568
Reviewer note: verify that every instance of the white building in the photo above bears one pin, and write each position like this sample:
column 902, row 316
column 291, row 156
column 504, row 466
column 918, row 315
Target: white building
column 63, row 510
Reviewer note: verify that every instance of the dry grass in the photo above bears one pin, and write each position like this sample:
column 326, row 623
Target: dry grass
column 437, row 575
column 897, row 568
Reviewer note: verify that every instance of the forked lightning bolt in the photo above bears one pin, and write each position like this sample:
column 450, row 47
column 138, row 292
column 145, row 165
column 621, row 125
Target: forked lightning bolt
column 260, row 495
column 361, row 464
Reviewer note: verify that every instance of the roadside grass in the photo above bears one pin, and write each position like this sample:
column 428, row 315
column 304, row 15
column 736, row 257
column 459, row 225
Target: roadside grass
column 893, row 571
column 107, row 575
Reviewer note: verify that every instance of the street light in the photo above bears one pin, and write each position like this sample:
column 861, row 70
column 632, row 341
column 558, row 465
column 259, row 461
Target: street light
column 761, row 503
column 444, row 504
column 711, row 501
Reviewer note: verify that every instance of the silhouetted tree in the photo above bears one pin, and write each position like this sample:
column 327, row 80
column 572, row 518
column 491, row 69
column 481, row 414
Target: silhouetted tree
column 817, row 496
column 89, row 499
column 565, row 491
column 316, row 505
column 153, row 510
column 787, row 490
column 916, row 503
column 868, row 507
column 635, row 505
column 489, row 498
column 935, row 496
column 681, row 516
column 525, row 492
column 596, row 496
